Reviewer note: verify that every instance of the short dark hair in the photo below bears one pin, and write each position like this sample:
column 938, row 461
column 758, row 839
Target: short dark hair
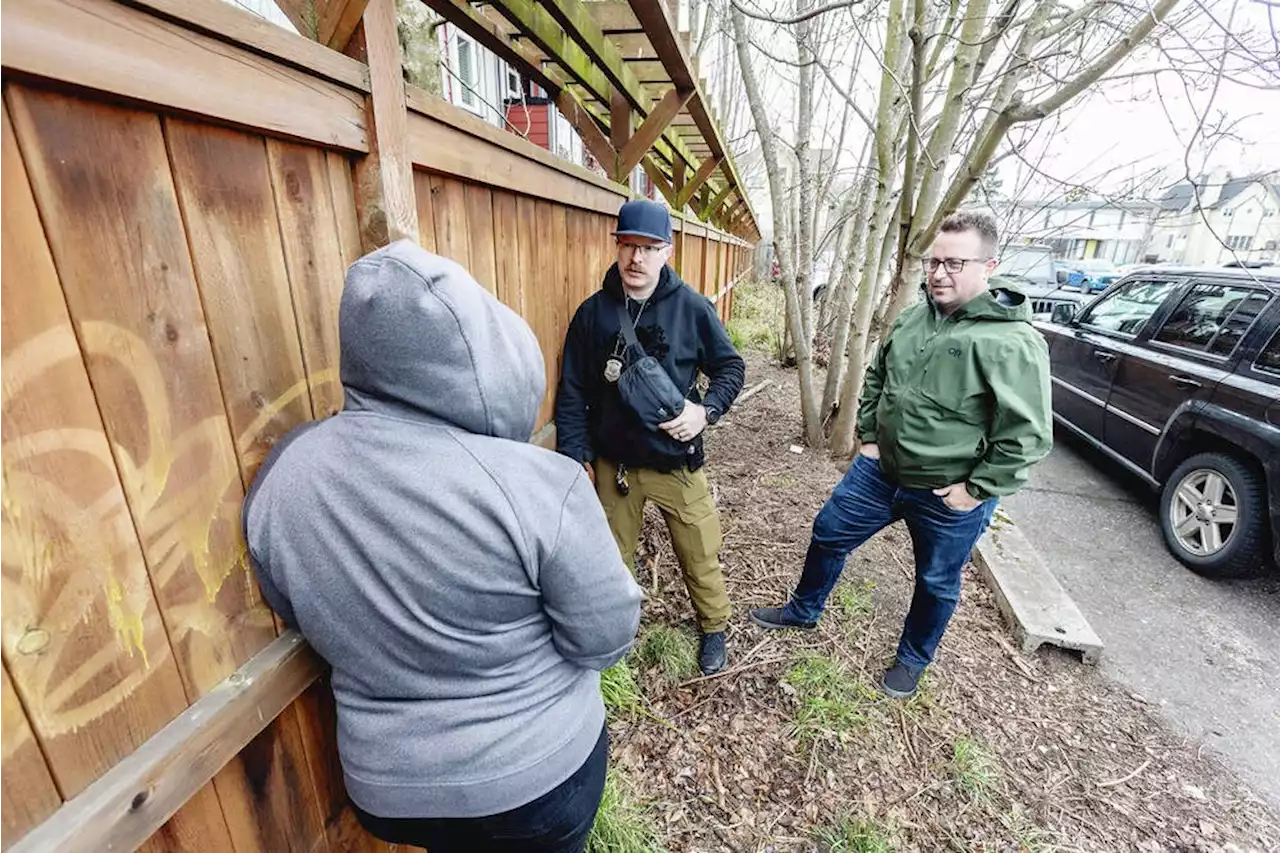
column 975, row 220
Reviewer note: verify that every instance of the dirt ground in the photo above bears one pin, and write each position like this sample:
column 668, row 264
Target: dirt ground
column 792, row 748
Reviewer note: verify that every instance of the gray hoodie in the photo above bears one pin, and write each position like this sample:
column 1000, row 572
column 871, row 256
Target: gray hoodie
column 462, row 583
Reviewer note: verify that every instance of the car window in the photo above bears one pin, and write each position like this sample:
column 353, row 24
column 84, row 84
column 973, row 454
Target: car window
column 1269, row 358
column 1212, row 317
column 1127, row 309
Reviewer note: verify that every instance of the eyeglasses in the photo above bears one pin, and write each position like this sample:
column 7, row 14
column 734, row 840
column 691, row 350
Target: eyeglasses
column 952, row 265
column 644, row 251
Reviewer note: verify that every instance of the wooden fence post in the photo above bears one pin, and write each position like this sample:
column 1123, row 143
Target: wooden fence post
column 385, row 203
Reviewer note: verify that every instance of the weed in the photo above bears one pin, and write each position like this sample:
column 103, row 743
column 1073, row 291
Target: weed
column 855, row 835
column 621, row 825
column 975, row 771
column 854, row 599
column 671, row 651
column 619, row 689
column 832, row 702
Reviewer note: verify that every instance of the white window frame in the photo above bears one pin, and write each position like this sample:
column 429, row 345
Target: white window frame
column 459, row 82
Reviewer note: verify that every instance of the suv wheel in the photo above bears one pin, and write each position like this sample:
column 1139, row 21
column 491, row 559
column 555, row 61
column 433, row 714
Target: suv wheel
column 1213, row 514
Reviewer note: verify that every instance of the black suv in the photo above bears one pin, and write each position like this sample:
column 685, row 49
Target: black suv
column 1175, row 373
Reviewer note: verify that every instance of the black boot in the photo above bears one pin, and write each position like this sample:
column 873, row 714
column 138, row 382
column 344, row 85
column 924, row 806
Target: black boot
column 712, row 655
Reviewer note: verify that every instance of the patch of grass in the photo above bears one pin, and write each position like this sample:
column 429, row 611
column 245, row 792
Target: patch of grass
column 619, row 689
column 832, row 701
column 855, row 835
column 975, row 770
column 1024, row 832
column 758, row 316
column 669, row 650
column 854, row 599
column 621, row 825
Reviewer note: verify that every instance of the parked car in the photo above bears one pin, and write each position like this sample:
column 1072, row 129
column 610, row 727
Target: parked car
column 1099, row 274
column 1175, row 374
column 1032, row 270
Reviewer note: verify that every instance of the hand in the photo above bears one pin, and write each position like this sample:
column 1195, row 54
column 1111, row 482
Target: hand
column 689, row 424
column 870, row 449
column 957, row 497
column 591, row 472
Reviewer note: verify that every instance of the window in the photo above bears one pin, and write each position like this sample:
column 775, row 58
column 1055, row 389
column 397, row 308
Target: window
column 1127, row 310
column 1212, row 318
column 1239, row 243
column 1269, row 358
column 514, row 88
column 467, row 68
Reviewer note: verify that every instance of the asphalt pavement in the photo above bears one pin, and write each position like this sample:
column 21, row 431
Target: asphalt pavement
column 1207, row 652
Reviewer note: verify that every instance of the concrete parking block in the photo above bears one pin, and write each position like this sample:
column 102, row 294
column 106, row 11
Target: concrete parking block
column 1034, row 604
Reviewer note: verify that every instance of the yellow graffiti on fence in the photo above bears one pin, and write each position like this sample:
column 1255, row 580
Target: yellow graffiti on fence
column 71, row 561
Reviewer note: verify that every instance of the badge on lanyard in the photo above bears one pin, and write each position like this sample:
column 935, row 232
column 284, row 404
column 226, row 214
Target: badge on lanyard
column 612, row 369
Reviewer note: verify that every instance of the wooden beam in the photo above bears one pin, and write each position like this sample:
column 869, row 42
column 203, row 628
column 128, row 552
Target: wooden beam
column 619, row 125
column 715, row 202
column 492, row 35
column 338, row 21
column 615, row 16
column 699, row 178
column 659, row 179
column 234, row 25
column 385, row 203
column 592, row 136
column 677, row 176
column 132, row 800
column 631, row 154
column 129, row 53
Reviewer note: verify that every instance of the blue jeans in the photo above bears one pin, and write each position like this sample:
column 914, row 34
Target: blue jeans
column 557, row 822
column 863, row 504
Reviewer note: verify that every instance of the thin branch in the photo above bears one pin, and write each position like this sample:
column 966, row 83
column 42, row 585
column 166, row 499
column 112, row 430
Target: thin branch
column 809, row 15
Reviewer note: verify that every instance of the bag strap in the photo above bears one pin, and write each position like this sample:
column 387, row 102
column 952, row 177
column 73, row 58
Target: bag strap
column 628, row 327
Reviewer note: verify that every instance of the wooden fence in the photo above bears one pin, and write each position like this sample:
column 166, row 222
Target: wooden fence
column 183, row 188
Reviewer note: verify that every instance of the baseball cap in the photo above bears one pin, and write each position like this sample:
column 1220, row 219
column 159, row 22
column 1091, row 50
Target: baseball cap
column 643, row 218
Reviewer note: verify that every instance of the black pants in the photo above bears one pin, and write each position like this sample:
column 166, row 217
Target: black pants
column 557, row 822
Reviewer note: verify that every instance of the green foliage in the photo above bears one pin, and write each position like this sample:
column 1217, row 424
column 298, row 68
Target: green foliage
column 619, row 689
column 621, row 826
column 669, row 650
column 855, row 835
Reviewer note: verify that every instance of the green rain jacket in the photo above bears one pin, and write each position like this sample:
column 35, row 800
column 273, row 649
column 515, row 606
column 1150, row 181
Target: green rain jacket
column 960, row 398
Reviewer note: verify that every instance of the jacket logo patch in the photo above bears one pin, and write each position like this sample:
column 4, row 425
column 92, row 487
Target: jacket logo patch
column 954, row 352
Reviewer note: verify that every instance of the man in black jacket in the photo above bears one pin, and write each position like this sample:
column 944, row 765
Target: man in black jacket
column 629, row 463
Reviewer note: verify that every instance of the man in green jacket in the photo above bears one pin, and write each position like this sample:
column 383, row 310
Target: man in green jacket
column 955, row 411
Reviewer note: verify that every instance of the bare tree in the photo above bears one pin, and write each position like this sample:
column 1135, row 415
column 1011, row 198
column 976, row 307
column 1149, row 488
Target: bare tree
column 782, row 236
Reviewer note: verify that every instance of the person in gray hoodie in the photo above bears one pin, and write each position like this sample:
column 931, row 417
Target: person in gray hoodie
column 462, row 583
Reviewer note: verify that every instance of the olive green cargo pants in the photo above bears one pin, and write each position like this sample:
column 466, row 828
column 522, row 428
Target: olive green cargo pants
column 692, row 519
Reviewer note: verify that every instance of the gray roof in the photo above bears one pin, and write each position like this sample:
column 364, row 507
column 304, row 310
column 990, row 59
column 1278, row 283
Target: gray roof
column 1181, row 195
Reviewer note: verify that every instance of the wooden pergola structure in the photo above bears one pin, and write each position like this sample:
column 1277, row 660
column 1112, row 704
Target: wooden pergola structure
column 621, row 74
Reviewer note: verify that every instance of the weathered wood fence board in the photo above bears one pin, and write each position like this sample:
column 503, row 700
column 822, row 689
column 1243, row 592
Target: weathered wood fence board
column 179, row 208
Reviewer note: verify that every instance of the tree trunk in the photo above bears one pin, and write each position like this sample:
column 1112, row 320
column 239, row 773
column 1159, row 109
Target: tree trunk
column 842, row 311
column 782, row 239
column 845, row 433
column 804, row 127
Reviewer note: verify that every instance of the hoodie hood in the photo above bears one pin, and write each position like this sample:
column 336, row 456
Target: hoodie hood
column 997, row 303
column 668, row 283
column 420, row 339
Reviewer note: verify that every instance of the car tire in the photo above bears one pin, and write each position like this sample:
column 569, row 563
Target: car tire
column 1243, row 552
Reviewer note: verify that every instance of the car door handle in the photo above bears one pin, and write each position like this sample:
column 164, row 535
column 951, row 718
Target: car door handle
column 1186, row 383
column 1103, row 355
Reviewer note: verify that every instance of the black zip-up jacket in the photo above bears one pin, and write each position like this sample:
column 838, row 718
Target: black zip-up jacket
column 680, row 328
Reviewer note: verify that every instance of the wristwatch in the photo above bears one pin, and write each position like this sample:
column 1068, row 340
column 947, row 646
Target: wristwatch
column 713, row 414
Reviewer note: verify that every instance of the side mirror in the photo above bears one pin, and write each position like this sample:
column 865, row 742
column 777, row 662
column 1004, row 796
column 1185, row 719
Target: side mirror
column 1063, row 277
column 1063, row 314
